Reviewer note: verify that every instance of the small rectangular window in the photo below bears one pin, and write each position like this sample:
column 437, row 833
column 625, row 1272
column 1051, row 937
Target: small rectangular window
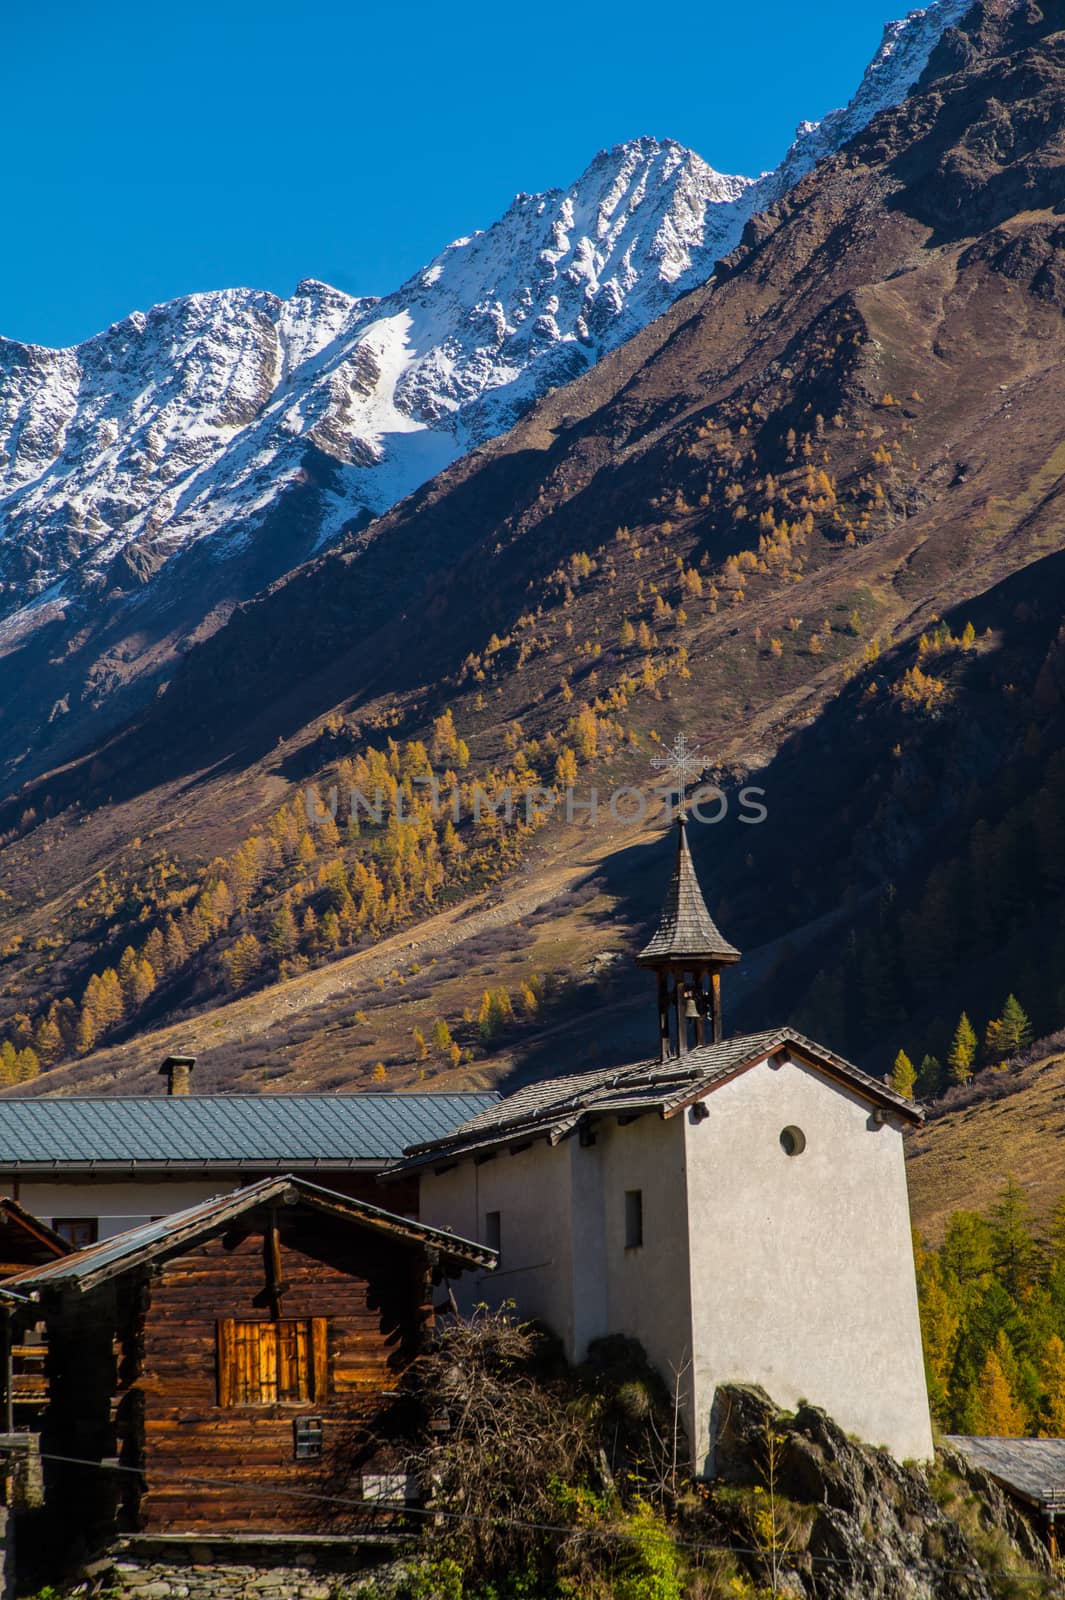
column 266, row 1363
column 493, row 1231
column 307, row 1434
column 77, row 1231
column 633, row 1218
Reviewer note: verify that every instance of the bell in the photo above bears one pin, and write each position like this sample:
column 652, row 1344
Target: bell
column 691, row 1010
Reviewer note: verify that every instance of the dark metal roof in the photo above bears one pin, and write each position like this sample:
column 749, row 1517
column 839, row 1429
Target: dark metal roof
column 228, row 1131
column 170, row 1235
column 686, row 929
column 1032, row 1468
column 552, row 1108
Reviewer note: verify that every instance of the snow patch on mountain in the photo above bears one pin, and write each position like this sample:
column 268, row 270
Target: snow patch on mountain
column 904, row 53
column 192, row 422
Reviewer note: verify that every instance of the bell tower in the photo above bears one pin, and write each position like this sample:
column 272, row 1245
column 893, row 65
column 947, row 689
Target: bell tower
column 687, row 953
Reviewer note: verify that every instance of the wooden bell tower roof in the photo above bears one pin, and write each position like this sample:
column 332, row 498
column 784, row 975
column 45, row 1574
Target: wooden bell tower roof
column 686, row 930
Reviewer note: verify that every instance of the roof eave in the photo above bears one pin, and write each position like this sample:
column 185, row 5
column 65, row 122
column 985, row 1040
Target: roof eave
column 650, row 956
column 64, row 1276
column 158, row 1166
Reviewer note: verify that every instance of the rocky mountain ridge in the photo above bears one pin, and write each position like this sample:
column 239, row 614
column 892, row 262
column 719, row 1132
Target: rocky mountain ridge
column 189, row 456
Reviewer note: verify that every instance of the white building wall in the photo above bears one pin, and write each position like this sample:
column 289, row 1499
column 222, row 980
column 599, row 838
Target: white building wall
column 792, row 1272
column 118, row 1205
column 562, row 1218
column 802, row 1266
column 648, row 1289
column 532, row 1193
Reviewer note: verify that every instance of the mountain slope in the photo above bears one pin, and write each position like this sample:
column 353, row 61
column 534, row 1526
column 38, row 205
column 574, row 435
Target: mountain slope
column 187, row 457
column 738, row 526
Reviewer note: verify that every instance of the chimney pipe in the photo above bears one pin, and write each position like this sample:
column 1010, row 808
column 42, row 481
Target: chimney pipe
column 177, row 1070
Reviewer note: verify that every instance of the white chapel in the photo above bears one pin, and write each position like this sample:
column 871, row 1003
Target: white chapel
column 738, row 1205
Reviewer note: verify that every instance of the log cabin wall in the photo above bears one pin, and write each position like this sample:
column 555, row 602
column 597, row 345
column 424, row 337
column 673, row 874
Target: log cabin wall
column 82, row 1368
column 215, row 1461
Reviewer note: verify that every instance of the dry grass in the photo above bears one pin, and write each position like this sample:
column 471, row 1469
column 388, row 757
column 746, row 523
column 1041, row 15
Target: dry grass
column 959, row 1161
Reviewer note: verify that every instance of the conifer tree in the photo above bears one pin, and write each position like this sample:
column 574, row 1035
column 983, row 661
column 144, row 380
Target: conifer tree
column 1013, row 1247
column 47, row 1040
column 421, row 1049
column 109, row 997
column 1053, row 1376
column 530, row 1000
column 86, row 1031
column 126, row 965
column 176, row 949
column 998, row 1413
column 903, row 1075
column 487, row 1016
column 242, row 963
column 441, row 1036
column 281, row 939
column 962, row 1051
column 930, row 1078
column 155, row 950
column 451, row 845
column 27, row 1065
column 565, row 768
column 1014, row 1027
column 142, row 984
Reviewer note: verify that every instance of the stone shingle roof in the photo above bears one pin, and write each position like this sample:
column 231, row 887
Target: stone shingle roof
column 1032, row 1468
column 554, row 1107
column 230, row 1132
column 686, row 928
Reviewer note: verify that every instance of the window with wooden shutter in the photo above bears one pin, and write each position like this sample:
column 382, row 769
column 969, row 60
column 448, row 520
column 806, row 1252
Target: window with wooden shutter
column 267, row 1363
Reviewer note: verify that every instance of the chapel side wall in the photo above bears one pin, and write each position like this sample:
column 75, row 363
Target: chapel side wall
column 647, row 1289
column 802, row 1267
column 532, row 1192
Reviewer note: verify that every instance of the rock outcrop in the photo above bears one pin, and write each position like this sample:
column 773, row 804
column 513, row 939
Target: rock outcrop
column 858, row 1525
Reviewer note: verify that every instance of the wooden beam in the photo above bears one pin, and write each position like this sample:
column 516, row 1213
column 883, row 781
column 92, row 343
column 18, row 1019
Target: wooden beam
column 276, row 1287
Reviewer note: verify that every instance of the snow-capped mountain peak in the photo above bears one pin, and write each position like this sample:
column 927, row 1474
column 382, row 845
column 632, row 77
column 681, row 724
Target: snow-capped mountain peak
column 904, row 53
column 190, row 420
column 246, row 431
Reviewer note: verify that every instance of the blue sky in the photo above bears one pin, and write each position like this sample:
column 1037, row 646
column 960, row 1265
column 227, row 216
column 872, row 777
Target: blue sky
column 159, row 149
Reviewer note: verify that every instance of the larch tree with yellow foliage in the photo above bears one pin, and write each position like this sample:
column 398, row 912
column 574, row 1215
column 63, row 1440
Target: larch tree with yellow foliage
column 999, row 1413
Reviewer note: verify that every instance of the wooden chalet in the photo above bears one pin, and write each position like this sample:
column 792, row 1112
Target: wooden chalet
column 25, row 1242
column 244, row 1361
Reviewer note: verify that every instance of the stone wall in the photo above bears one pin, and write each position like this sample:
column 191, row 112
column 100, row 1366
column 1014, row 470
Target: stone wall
column 208, row 1575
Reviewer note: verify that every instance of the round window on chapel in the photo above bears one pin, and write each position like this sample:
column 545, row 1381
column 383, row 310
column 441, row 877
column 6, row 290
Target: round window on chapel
column 793, row 1141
